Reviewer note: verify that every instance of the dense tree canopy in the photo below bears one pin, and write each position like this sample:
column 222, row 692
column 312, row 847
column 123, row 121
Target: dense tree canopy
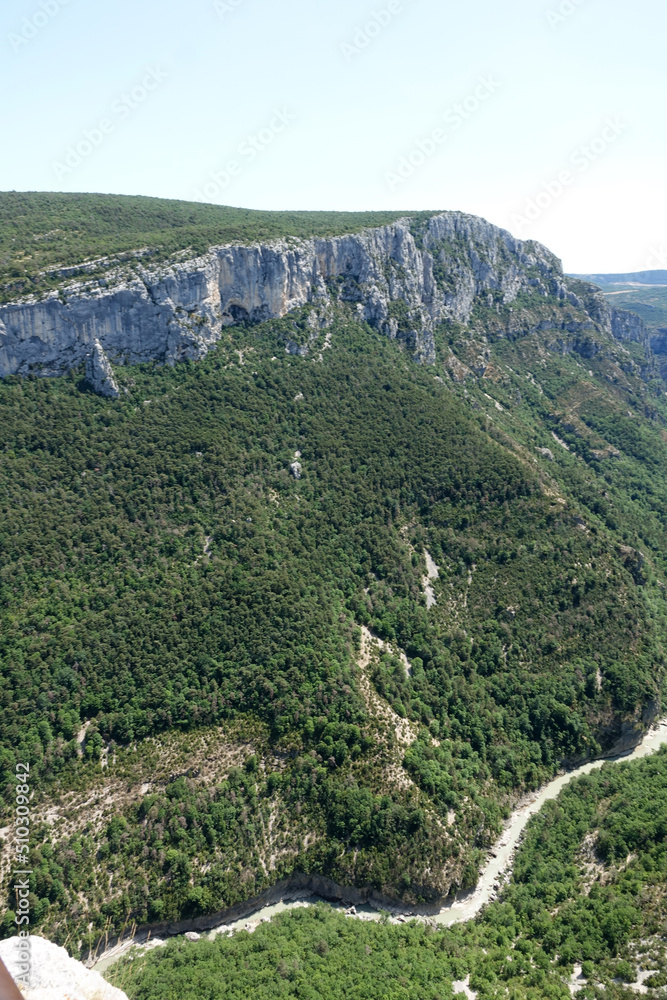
column 161, row 569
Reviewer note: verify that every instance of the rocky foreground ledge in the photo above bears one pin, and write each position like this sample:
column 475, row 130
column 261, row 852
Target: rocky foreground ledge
column 54, row 975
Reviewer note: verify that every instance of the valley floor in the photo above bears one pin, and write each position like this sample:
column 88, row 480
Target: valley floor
column 464, row 907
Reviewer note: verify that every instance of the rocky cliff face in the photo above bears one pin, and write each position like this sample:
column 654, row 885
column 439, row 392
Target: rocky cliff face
column 404, row 280
column 629, row 326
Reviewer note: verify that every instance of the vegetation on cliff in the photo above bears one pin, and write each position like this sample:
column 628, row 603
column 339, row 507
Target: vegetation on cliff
column 43, row 233
column 186, row 612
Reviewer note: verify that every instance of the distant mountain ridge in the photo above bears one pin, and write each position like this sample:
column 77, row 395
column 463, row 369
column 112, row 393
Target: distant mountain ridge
column 641, row 292
column 630, row 277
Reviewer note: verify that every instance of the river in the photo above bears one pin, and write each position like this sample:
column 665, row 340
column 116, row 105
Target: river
column 466, row 905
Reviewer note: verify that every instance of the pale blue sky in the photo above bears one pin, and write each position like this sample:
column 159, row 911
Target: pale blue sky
column 335, row 111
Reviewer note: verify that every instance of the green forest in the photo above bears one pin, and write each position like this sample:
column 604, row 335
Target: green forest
column 163, row 571
column 224, row 674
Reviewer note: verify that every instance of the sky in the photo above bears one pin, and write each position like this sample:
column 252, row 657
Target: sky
column 546, row 118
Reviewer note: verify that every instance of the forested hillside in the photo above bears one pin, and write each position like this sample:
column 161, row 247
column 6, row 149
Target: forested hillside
column 585, row 909
column 226, row 649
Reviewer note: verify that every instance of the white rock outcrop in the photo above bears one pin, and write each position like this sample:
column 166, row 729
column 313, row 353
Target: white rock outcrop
column 404, row 279
column 99, row 373
column 432, row 574
column 56, row 976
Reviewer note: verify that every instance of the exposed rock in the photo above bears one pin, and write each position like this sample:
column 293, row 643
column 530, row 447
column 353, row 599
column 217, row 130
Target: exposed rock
column 299, row 350
column 296, row 469
column 634, row 561
column 658, row 342
column 546, row 453
column 629, row 326
column 621, row 737
column 463, row 986
column 192, row 936
column 458, row 371
column 432, row 574
column 99, row 373
column 54, row 975
column 403, row 279
column 620, row 324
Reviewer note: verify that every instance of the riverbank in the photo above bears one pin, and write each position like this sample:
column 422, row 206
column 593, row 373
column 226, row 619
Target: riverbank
column 366, row 905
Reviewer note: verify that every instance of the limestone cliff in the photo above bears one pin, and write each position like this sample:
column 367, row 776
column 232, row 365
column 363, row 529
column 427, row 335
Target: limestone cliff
column 99, row 373
column 629, row 326
column 404, row 279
